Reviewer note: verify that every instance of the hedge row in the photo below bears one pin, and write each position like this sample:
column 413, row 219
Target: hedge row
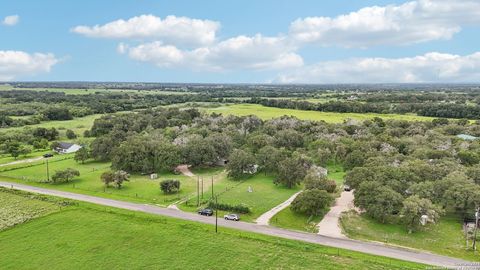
column 241, row 209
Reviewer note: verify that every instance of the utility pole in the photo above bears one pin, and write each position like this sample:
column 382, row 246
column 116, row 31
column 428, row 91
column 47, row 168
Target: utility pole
column 212, row 186
column 216, row 214
column 477, row 215
column 202, row 188
column 198, row 191
column 48, row 172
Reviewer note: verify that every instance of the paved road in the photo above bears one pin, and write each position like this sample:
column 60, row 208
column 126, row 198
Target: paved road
column 264, row 219
column 365, row 247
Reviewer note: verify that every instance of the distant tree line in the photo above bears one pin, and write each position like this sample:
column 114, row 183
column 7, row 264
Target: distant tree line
column 443, row 110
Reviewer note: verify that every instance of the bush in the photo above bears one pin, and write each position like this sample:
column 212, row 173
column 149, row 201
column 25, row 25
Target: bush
column 241, row 209
column 311, row 202
column 64, row 176
column 170, row 186
column 314, row 181
column 70, row 134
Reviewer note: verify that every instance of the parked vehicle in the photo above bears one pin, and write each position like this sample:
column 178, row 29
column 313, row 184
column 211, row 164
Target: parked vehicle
column 346, row 188
column 233, row 217
column 206, row 212
column 48, row 155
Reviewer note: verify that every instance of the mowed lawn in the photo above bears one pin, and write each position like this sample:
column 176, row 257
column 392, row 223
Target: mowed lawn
column 264, row 196
column 293, row 221
column 444, row 238
column 140, row 188
column 264, row 112
column 94, row 237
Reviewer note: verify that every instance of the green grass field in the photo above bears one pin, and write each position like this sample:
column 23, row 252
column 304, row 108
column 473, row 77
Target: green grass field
column 93, row 237
column 444, row 238
column 264, row 197
column 78, row 125
column 290, row 220
column 330, row 117
column 140, row 188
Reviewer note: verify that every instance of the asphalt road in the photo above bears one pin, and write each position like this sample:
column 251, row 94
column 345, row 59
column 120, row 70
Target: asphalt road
column 365, row 247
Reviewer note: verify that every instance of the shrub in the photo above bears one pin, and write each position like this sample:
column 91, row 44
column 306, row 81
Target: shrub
column 170, row 186
column 70, row 134
column 241, row 209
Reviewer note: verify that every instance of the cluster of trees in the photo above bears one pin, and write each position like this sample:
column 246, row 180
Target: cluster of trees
column 317, row 197
column 397, row 168
column 64, row 176
column 23, row 142
column 45, row 105
column 444, row 108
column 117, row 178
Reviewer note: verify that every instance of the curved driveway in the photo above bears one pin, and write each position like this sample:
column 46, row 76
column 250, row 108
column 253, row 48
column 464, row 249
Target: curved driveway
column 365, row 247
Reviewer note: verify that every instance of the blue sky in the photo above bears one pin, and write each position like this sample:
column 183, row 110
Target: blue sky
column 241, row 41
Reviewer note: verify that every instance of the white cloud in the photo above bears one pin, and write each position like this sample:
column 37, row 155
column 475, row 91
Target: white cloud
column 15, row 64
column 411, row 22
column 172, row 29
column 431, row 67
column 11, row 20
column 241, row 52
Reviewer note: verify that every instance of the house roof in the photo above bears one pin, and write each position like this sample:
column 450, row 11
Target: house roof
column 65, row 145
column 467, row 137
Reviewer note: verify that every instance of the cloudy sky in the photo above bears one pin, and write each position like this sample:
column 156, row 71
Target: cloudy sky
column 248, row 41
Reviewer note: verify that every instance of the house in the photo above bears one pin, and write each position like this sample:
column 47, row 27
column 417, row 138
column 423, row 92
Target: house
column 467, row 137
column 66, row 148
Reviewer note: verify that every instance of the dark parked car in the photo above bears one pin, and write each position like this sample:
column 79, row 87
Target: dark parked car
column 206, row 212
column 233, row 217
column 47, row 155
column 346, row 188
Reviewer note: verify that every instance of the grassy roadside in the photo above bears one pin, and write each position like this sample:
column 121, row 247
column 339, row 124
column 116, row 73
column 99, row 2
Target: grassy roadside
column 264, row 196
column 288, row 219
column 86, row 236
column 445, row 238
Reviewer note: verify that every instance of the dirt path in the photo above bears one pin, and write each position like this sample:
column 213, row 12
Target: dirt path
column 355, row 245
column 184, row 170
column 264, row 219
column 329, row 226
column 22, row 161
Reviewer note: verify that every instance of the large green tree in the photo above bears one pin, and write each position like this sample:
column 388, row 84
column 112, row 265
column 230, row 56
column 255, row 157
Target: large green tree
column 82, row 155
column 311, row 202
column 414, row 208
column 290, row 172
column 379, row 201
column 240, row 164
